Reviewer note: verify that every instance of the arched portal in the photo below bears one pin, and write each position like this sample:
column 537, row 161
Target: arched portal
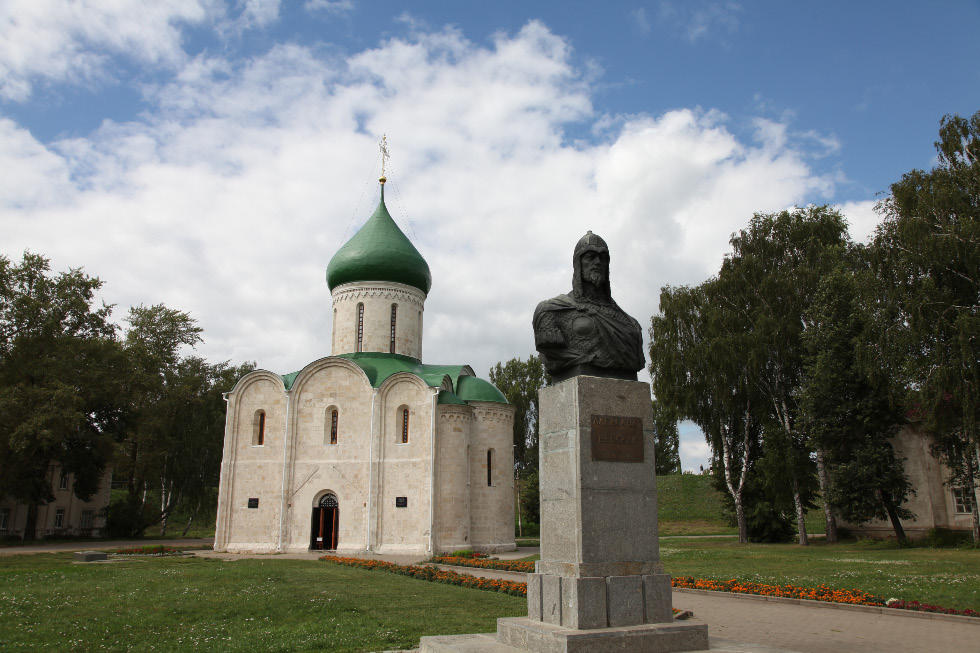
column 324, row 523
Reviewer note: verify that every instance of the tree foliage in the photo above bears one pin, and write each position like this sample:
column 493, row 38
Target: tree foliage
column 667, row 455
column 520, row 381
column 926, row 257
column 171, row 448
column 728, row 354
column 60, row 372
column 700, row 368
column 846, row 409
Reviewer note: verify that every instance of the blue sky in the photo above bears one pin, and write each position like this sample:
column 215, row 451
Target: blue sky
column 213, row 155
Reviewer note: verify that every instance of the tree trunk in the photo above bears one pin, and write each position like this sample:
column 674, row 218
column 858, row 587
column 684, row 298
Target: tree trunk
column 893, row 516
column 828, row 510
column 976, row 519
column 30, row 528
column 743, row 529
column 190, row 519
column 520, row 531
column 972, row 483
column 800, row 514
column 163, row 522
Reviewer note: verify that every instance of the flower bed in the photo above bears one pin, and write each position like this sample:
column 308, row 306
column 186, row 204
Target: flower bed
column 819, row 593
column 153, row 550
column 484, row 563
column 924, row 607
column 434, row 574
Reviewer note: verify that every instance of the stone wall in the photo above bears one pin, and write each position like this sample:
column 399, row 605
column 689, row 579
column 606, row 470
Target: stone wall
column 404, row 470
column 378, row 298
column 250, row 470
column 317, row 467
column 492, row 505
column 453, row 430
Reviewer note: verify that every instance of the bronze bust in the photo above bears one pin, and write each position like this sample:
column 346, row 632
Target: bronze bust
column 585, row 332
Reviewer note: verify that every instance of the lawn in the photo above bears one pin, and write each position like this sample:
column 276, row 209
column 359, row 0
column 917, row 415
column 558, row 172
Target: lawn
column 272, row 604
column 690, row 505
column 185, row 604
column 946, row 577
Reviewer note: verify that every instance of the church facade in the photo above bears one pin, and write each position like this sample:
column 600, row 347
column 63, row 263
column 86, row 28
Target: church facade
column 369, row 449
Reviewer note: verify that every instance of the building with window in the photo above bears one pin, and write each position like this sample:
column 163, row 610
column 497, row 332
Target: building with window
column 369, row 449
column 66, row 516
column 934, row 503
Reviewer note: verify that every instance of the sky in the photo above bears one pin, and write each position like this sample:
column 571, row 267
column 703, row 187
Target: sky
column 213, row 155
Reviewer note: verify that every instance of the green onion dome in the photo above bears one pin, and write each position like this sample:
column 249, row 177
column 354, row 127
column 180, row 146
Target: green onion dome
column 379, row 251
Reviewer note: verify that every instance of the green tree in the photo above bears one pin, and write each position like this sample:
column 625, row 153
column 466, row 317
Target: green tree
column 776, row 265
column 926, row 256
column 155, row 450
column 60, row 372
column 520, row 381
column 846, row 409
column 700, row 365
column 667, row 454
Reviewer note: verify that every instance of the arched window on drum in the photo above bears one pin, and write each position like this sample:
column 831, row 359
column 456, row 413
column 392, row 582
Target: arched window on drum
column 331, row 427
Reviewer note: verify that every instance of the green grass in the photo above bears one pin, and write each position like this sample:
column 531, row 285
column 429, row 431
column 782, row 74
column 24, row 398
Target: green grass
column 690, row 505
column 180, row 604
column 946, row 577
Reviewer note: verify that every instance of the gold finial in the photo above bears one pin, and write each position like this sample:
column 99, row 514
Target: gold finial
column 384, row 158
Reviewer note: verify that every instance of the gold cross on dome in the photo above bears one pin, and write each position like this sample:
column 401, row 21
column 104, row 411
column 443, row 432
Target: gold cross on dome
column 384, row 153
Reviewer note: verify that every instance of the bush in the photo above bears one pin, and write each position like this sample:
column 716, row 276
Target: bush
column 945, row 538
column 125, row 518
column 530, row 529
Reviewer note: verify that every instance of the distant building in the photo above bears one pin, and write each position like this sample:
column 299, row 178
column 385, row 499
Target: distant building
column 935, row 505
column 369, row 449
column 66, row 516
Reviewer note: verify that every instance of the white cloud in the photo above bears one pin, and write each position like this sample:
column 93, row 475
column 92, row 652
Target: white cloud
column 329, row 6
column 700, row 19
column 694, row 449
column 861, row 219
column 229, row 197
column 640, row 21
column 258, row 13
column 57, row 41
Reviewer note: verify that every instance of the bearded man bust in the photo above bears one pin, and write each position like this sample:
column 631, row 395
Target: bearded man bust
column 585, row 332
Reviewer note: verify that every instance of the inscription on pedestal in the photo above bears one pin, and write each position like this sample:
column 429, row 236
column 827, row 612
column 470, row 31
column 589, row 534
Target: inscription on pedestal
column 617, row 439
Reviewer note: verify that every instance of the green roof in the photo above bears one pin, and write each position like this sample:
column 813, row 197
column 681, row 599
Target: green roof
column 378, row 367
column 470, row 388
column 447, row 397
column 379, row 251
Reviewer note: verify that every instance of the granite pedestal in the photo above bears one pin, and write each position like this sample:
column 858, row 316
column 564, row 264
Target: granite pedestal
column 599, row 585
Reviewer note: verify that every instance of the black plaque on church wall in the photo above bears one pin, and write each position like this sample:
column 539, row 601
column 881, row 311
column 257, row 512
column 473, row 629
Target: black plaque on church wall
column 617, row 439
column 253, row 503
column 401, row 502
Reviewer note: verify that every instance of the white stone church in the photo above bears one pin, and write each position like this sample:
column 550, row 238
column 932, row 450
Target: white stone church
column 369, row 449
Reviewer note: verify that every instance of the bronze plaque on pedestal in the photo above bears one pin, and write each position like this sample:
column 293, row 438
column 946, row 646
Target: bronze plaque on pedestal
column 617, row 439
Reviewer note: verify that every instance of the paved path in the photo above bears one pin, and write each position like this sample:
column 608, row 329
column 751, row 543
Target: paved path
column 806, row 628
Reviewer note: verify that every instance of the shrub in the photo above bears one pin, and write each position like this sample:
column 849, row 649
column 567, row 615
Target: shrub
column 945, row 538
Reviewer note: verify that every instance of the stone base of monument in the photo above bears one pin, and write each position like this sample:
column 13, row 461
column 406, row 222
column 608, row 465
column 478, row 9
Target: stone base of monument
column 522, row 634
column 529, row 635
column 599, row 585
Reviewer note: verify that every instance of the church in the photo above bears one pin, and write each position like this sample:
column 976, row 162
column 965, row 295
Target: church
column 369, row 450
